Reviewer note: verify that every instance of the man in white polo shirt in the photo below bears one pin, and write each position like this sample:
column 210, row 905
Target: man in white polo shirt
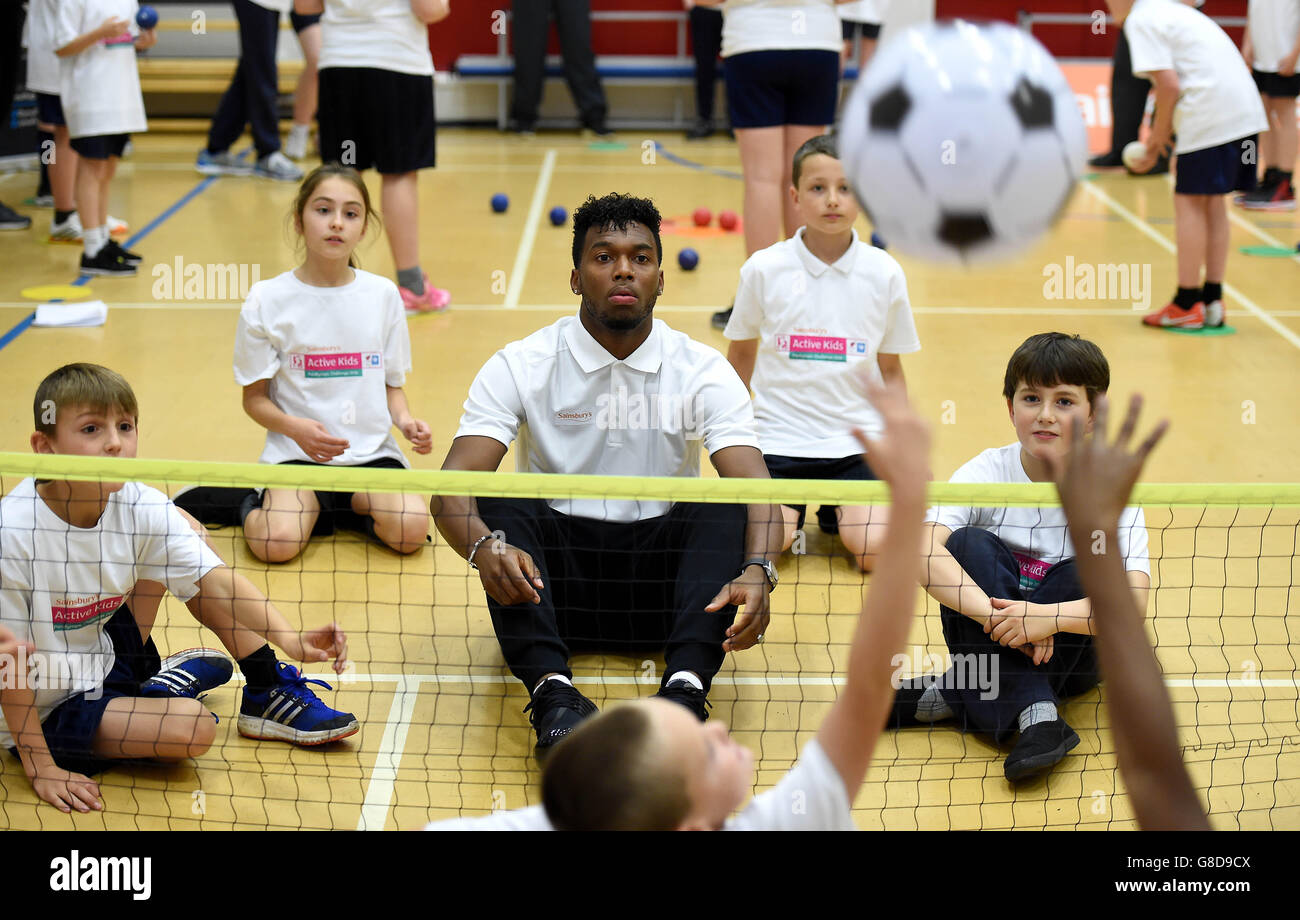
column 612, row 391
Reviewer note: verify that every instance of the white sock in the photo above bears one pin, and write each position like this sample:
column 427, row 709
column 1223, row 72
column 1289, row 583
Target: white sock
column 299, row 131
column 932, row 707
column 560, row 677
column 94, row 239
column 689, row 676
column 1042, row 711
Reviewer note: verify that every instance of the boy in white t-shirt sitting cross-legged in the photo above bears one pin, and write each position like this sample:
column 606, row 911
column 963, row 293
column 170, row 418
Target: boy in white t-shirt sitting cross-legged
column 1015, row 616
column 808, row 311
column 82, row 569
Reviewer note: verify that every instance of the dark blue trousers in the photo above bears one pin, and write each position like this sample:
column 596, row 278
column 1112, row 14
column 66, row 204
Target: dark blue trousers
column 253, row 93
column 1073, row 668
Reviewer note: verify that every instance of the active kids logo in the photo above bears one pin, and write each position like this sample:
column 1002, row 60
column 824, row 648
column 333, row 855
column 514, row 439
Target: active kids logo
column 76, row 612
column 203, row 280
column 103, row 873
column 335, row 364
column 801, row 347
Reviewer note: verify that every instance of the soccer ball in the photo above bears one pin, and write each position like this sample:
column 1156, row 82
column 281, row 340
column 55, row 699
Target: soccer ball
column 963, row 141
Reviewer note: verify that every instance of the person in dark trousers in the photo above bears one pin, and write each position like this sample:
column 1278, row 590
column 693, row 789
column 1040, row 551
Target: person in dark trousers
column 706, row 42
column 531, row 29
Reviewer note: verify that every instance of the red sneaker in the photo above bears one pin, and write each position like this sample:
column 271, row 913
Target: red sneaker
column 1172, row 315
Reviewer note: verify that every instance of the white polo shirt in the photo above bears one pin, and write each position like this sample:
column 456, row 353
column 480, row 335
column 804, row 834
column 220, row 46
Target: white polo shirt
column 1217, row 98
column 1038, row 537
column 1274, row 28
column 575, row 408
column 872, row 11
column 811, row 797
column 780, row 25
column 100, row 87
column 816, row 323
column 383, row 34
column 38, row 38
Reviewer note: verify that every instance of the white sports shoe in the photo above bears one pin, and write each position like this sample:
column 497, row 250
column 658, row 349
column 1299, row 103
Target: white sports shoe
column 67, row 231
column 278, row 166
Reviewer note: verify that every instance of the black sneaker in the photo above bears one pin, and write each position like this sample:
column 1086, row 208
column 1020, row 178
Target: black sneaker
column 685, row 693
column 702, row 128
column 132, row 258
column 106, row 262
column 555, row 710
column 722, row 317
column 598, row 128
column 906, row 698
column 12, row 220
column 1040, row 748
column 1107, row 160
column 523, row 128
column 215, row 506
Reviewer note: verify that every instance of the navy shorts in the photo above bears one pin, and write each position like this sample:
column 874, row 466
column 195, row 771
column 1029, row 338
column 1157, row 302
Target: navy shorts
column 1219, row 170
column 1276, row 86
column 101, row 146
column 766, row 89
column 49, row 109
column 336, row 507
column 851, row 469
column 70, row 729
column 850, row 29
column 300, row 22
column 377, row 118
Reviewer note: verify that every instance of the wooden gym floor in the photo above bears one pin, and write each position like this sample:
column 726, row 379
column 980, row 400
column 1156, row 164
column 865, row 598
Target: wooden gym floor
column 443, row 733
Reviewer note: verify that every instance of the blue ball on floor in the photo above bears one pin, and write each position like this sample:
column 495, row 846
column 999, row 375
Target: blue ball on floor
column 688, row 258
column 147, row 17
column 558, row 216
column 499, row 203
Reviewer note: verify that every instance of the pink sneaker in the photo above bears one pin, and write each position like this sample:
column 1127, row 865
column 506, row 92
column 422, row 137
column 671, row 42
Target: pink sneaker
column 432, row 300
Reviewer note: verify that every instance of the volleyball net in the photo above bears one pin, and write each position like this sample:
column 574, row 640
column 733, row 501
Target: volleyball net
column 442, row 728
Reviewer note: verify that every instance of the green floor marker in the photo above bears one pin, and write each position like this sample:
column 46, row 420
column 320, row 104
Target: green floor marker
column 1269, row 252
column 607, row 145
column 1225, row 329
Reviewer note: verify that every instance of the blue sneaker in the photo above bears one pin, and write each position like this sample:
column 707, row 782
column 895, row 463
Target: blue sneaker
column 222, row 164
column 290, row 711
column 189, row 673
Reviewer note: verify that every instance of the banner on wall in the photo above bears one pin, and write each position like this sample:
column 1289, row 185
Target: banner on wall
column 18, row 129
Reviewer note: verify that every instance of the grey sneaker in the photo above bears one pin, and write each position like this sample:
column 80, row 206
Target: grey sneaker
column 221, row 164
column 278, row 166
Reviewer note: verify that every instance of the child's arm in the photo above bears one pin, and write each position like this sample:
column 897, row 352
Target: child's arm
column 946, row 581
column 1286, row 66
column 430, row 11
column 111, row 27
column 1247, row 48
column 741, row 354
column 146, row 39
column 313, row 437
column 901, row 457
column 1094, row 483
column 413, row 429
column 226, row 600
column 1162, row 131
column 1014, row 622
column 891, row 369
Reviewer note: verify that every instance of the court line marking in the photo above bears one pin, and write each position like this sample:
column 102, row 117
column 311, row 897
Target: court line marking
column 1149, row 231
column 685, row 308
column 379, row 791
column 525, row 252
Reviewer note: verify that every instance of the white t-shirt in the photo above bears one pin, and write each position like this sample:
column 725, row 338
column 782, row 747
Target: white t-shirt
column 60, row 584
column 38, row 38
column 1217, row 98
column 872, row 11
column 330, row 354
column 383, row 34
column 780, row 25
column 816, row 324
column 811, row 797
column 1274, row 27
column 100, row 87
column 577, row 409
column 1038, row 537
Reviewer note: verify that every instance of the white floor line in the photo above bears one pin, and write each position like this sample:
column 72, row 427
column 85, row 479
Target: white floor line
column 379, row 791
column 515, row 285
column 1168, row 246
column 413, row 682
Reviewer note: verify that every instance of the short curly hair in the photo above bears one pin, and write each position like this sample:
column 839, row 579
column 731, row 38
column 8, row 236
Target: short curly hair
column 618, row 211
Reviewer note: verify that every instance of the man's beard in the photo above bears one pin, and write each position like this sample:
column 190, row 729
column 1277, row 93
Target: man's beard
column 619, row 324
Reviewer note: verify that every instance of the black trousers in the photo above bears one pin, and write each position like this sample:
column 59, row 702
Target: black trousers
column 1072, row 670
column 1128, row 98
column 252, row 95
column 618, row 587
column 573, row 22
column 706, row 40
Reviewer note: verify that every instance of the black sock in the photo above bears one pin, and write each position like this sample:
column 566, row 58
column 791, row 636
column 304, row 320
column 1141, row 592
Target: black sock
column 260, row 670
column 1186, row 298
column 1212, row 291
column 61, row 216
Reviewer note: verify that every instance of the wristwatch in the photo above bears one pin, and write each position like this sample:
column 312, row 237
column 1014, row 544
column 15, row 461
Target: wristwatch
column 768, row 569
